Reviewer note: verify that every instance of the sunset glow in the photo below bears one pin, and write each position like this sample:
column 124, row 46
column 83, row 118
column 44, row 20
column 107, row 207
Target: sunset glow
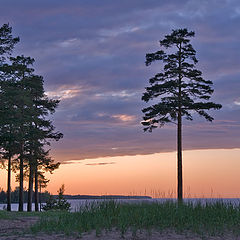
column 92, row 57
column 207, row 173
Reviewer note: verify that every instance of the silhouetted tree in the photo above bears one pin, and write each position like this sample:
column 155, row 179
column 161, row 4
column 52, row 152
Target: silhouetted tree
column 62, row 203
column 8, row 119
column 17, row 72
column 43, row 163
column 15, row 195
column 42, row 183
column 24, row 127
column 57, row 204
column 28, row 112
column 39, row 131
column 180, row 88
column 7, row 43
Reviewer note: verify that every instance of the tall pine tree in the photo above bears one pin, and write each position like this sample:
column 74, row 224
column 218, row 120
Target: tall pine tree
column 25, row 109
column 180, row 88
column 19, row 70
column 40, row 131
column 8, row 128
column 24, row 127
column 7, row 43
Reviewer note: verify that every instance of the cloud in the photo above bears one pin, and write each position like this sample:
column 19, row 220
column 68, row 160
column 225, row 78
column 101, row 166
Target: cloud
column 99, row 164
column 124, row 117
column 72, row 43
column 71, row 162
column 121, row 94
column 64, row 92
column 237, row 101
column 92, row 53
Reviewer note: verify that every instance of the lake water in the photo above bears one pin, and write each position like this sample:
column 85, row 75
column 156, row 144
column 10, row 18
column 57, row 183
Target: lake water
column 77, row 203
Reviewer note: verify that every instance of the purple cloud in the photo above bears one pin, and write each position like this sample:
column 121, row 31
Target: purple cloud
column 99, row 164
column 92, row 53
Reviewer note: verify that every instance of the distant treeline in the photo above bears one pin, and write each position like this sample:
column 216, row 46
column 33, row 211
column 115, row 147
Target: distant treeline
column 43, row 197
column 105, row 197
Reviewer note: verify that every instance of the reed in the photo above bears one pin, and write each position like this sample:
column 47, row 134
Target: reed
column 203, row 219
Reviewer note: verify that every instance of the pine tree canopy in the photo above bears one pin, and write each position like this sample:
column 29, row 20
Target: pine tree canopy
column 180, row 86
column 7, row 41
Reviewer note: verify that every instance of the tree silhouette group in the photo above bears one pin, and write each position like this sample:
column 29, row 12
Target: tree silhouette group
column 25, row 130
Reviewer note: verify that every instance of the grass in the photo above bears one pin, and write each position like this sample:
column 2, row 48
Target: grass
column 208, row 219
column 15, row 215
column 4, row 215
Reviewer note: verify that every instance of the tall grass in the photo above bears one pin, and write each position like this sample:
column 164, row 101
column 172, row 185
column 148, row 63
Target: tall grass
column 4, row 214
column 14, row 214
column 210, row 219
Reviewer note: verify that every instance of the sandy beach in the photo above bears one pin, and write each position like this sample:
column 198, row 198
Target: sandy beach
column 17, row 229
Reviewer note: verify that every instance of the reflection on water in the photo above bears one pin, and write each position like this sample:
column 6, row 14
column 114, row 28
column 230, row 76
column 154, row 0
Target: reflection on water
column 14, row 206
column 78, row 203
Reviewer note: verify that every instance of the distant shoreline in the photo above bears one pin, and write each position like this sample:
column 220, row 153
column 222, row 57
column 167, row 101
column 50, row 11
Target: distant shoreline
column 87, row 197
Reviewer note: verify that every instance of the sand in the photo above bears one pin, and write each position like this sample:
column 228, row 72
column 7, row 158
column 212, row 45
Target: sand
column 17, row 230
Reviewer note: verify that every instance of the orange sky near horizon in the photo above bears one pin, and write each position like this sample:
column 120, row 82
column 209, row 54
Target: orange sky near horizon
column 207, row 173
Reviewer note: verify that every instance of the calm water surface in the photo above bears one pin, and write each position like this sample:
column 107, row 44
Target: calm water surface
column 77, row 203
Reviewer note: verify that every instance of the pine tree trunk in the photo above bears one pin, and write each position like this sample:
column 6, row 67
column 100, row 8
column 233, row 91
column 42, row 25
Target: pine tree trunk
column 179, row 159
column 36, row 190
column 179, row 130
column 40, row 197
column 30, row 189
column 9, row 185
column 21, row 200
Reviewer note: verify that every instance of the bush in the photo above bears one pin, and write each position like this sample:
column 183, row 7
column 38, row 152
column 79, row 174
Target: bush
column 57, row 204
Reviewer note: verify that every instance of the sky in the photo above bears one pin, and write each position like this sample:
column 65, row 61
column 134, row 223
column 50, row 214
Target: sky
column 91, row 54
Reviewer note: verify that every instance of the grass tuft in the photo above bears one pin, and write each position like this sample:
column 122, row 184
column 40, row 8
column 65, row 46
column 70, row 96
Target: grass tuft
column 211, row 219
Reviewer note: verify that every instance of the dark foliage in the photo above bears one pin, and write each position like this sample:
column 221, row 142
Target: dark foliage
column 25, row 129
column 15, row 195
column 180, row 87
column 59, row 203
